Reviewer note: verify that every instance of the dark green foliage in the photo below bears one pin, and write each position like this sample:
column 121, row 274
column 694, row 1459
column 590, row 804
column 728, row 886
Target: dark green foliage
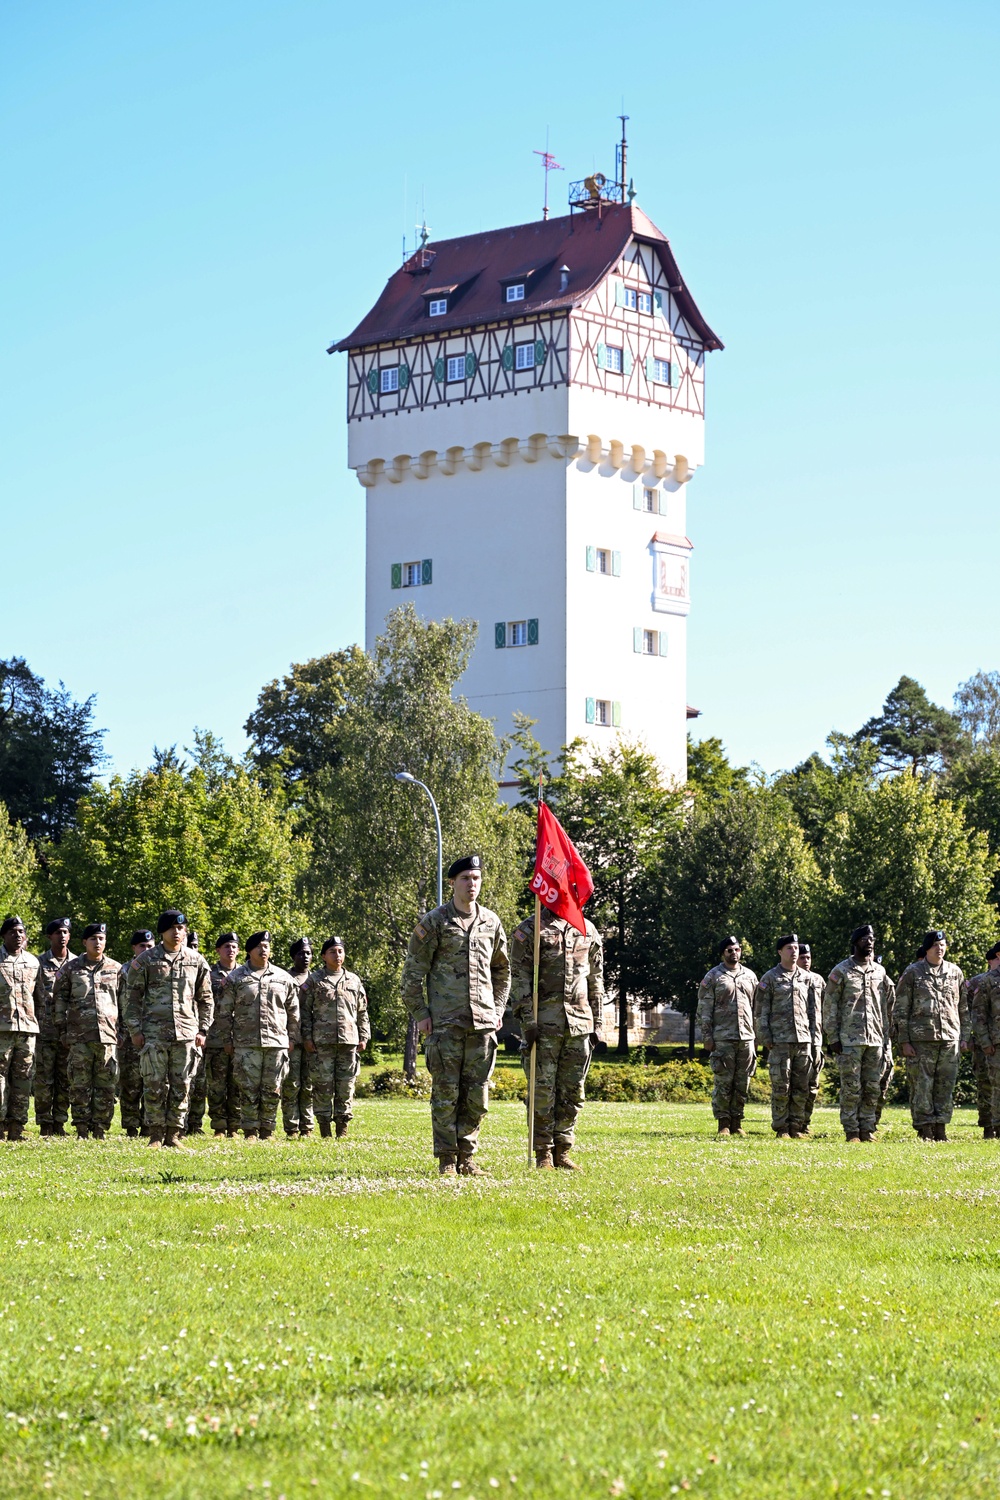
column 911, row 732
column 50, row 751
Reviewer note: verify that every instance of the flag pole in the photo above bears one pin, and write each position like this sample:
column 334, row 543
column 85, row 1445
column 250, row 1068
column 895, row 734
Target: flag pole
column 534, row 1014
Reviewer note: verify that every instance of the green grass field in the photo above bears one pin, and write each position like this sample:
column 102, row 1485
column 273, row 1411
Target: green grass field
column 727, row 1319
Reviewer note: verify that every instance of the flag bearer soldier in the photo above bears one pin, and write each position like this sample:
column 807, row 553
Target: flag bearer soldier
column 85, row 1011
column 51, row 1087
column 20, row 991
column 725, row 1019
column 335, row 1031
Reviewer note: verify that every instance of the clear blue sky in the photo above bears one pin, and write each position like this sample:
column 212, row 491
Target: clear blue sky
column 200, row 196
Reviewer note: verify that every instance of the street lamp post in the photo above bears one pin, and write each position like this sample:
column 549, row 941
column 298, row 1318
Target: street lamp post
column 410, row 1050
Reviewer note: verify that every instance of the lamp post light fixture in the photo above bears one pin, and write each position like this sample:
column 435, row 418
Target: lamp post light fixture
column 406, row 776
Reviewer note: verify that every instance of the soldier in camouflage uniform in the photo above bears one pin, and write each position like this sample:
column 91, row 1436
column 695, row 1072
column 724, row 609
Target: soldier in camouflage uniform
column 931, row 1022
column 199, row 1081
column 570, row 1020
column 984, row 1007
column 168, row 1011
column 459, row 951
column 980, row 1061
column 857, row 1019
column 783, row 1025
column 258, row 1020
column 335, row 1031
column 220, row 1069
column 297, row 1114
column 129, row 1066
column 20, row 991
column 817, row 984
column 725, row 1019
column 85, row 1011
column 51, row 1087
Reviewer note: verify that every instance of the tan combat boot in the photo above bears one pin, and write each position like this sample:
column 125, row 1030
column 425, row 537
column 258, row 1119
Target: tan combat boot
column 446, row 1166
column 853, row 1140
column 249, row 1135
column 156, row 1137
column 736, row 1127
column 724, row 1127
column 543, row 1159
column 174, row 1138
column 97, row 1131
column 564, row 1160
column 467, row 1167
column 342, row 1128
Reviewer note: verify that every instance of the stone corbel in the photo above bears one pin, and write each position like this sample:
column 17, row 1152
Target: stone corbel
column 368, row 474
column 564, row 446
column 682, row 470
column 636, row 460
column 660, row 465
column 532, row 448
column 504, row 452
column 594, row 448
column 425, row 462
column 398, row 471
column 477, row 455
column 616, row 453
column 450, row 460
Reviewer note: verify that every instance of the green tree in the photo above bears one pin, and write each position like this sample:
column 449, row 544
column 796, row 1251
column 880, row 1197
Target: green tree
column 977, row 707
column 974, row 782
column 210, row 838
column 904, row 858
column 19, row 892
column 50, row 751
column 296, row 725
column 710, row 775
column 818, row 789
column 911, row 732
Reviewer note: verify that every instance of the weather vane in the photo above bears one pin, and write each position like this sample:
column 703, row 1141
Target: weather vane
column 551, row 165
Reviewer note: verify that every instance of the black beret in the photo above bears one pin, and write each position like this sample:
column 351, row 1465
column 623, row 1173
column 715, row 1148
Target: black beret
column 930, row 938
column 790, row 937
column 468, row 862
column 729, row 942
column 8, row 924
column 226, row 937
column 298, row 944
column 804, row 948
column 171, row 918
column 56, row 924
column 859, row 932
column 141, row 935
column 993, row 952
column 95, row 929
column 334, row 942
column 255, row 939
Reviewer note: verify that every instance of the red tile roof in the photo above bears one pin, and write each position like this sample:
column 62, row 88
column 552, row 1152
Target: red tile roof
column 477, row 265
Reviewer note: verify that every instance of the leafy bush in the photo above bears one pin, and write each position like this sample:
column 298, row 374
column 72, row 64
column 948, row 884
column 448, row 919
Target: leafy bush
column 392, row 1083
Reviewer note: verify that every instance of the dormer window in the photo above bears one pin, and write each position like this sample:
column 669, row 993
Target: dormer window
column 437, row 307
column 515, row 292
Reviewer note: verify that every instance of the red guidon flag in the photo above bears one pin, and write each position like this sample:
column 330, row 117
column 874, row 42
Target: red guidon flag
column 561, row 880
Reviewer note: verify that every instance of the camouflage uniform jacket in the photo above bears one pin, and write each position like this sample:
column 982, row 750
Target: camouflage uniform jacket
column 817, row 984
column 466, row 969
column 50, row 968
column 259, row 1007
column 85, row 1000
column 725, row 1004
column 985, row 1008
column 334, row 1009
column 20, row 991
column 931, row 1004
column 857, row 1004
column 169, row 995
column 570, row 975
column 218, row 975
column 781, row 1006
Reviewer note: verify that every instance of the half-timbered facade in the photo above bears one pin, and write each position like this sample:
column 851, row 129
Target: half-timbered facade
column 525, row 410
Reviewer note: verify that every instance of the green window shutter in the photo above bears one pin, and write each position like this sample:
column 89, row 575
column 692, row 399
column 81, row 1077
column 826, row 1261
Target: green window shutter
column 649, row 368
column 507, row 357
column 661, row 637
column 591, row 711
column 532, row 632
column 373, row 382
column 539, row 351
column 500, row 634
column 426, row 571
column 637, row 638
column 470, row 366
column 676, row 373
column 439, row 369
column 663, row 498
column 658, row 302
column 637, row 497
column 396, row 575
column 600, row 356
column 591, row 559
column 619, row 294
column 616, row 715
column 404, row 376
column 616, row 565
column 627, row 361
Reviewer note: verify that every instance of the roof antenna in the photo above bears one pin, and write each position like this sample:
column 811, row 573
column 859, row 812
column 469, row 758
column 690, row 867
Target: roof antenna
column 551, row 165
column 622, row 157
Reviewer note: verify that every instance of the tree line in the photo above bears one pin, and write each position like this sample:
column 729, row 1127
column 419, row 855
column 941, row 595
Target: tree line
column 898, row 823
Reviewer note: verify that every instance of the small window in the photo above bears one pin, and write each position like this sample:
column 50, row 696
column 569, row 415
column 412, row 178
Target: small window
column 389, row 379
column 645, row 302
column 517, row 633
column 661, row 371
column 603, row 560
column 437, row 306
column 650, row 643
column 515, row 293
column 524, row 356
column 411, row 575
column 456, row 367
column 649, row 500
column 602, row 711
column 630, row 297
column 614, row 359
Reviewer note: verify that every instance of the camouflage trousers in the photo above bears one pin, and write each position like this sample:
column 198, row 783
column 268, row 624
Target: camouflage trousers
column 790, row 1065
column 297, row 1093
column 17, row 1064
column 199, row 1093
column 460, row 1063
column 860, row 1079
column 815, row 1069
column 884, row 1080
column 333, row 1071
column 982, row 1072
column 260, row 1073
column 166, row 1082
column 932, row 1075
column 93, row 1074
column 130, row 1086
column 994, row 1066
column 51, row 1087
column 222, row 1089
column 562, row 1063
column 733, row 1066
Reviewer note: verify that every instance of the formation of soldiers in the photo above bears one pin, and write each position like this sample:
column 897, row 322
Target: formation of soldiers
column 932, row 1013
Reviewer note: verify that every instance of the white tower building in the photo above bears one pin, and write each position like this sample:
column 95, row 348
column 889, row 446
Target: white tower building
column 525, row 409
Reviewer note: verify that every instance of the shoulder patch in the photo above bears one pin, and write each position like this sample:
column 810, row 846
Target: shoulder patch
column 523, row 932
column 420, row 931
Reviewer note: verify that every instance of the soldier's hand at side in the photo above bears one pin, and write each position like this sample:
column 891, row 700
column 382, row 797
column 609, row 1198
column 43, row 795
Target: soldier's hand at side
column 227, row 1047
column 424, row 1026
column 199, row 1041
column 310, row 1046
column 138, row 1041
column 64, row 1043
column 529, row 1031
column 989, row 1051
column 963, row 1046
column 836, row 1048
column 709, row 1046
column 909, row 1050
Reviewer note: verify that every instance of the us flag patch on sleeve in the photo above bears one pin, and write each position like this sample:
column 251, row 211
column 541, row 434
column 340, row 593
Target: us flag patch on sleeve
column 420, row 931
